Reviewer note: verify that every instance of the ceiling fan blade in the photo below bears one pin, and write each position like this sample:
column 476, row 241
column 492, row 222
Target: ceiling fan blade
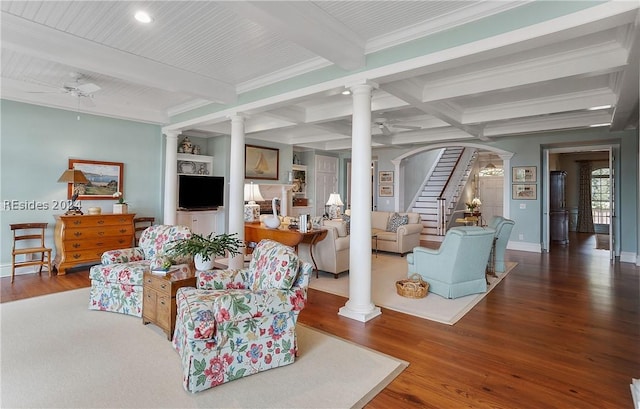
column 414, row 128
column 87, row 101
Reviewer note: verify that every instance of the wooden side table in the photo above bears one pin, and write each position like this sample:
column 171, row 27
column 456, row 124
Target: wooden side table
column 159, row 297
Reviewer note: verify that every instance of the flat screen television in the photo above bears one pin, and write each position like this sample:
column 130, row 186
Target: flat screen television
column 200, row 192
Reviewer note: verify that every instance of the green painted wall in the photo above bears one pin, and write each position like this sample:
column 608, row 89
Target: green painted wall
column 35, row 146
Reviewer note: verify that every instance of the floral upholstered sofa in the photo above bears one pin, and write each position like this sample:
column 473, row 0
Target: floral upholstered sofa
column 116, row 284
column 240, row 322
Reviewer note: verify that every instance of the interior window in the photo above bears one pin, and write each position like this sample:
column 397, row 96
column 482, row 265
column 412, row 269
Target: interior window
column 600, row 195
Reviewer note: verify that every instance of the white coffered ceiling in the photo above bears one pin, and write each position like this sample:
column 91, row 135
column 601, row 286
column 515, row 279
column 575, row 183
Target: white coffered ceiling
column 537, row 78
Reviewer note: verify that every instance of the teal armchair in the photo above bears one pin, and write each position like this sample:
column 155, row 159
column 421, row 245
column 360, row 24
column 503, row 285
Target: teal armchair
column 503, row 229
column 458, row 267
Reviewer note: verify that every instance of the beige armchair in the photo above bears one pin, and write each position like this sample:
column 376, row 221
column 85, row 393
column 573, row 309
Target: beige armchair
column 332, row 253
column 403, row 240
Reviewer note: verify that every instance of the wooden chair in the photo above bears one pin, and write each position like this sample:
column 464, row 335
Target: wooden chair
column 140, row 224
column 26, row 231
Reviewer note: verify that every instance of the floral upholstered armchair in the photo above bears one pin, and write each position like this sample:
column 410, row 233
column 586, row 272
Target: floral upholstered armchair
column 240, row 322
column 116, row 284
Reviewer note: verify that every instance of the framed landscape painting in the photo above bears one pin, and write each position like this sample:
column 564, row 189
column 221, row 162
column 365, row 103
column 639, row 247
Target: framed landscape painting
column 105, row 179
column 261, row 162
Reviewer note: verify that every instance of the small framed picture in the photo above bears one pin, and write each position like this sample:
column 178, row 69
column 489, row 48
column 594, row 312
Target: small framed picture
column 385, row 177
column 385, row 191
column 522, row 174
column 520, row 191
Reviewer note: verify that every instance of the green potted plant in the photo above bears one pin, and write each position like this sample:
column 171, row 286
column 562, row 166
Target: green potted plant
column 204, row 249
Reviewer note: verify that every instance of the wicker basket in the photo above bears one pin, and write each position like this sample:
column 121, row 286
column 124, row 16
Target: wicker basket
column 413, row 287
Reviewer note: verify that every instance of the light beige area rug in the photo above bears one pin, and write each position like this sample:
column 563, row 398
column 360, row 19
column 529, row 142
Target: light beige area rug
column 58, row 354
column 389, row 268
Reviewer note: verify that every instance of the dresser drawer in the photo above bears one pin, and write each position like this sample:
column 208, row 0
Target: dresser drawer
column 121, row 242
column 157, row 283
column 74, row 233
column 85, row 255
column 99, row 220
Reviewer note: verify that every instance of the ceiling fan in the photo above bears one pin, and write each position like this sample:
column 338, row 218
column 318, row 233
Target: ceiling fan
column 385, row 126
column 82, row 91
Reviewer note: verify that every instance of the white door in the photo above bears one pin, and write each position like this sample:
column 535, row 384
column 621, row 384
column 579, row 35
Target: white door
column 326, row 181
column 490, row 190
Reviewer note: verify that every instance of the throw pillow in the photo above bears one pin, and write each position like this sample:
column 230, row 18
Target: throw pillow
column 395, row 221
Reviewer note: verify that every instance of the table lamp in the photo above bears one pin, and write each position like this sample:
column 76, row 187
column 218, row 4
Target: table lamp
column 335, row 206
column 252, row 209
column 73, row 176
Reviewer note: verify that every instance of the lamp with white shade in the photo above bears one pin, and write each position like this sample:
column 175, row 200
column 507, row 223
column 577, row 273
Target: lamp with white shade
column 335, row 206
column 252, row 209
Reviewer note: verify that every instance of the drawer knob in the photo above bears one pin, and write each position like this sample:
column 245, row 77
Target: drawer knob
column 77, row 256
column 77, row 234
column 100, row 221
column 123, row 230
column 77, row 222
column 76, row 245
column 100, row 233
column 163, row 286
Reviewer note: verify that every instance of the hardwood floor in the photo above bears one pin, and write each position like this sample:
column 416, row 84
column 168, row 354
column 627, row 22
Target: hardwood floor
column 561, row 331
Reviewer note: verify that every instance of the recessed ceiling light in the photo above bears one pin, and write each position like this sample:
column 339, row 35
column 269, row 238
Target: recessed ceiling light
column 598, row 125
column 599, row 107
column 346, row 91
column 143, row 17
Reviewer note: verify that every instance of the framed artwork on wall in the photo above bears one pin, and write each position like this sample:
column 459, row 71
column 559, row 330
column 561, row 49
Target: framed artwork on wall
column 105, row 179
column 523, row 174
column 385, row 191
column 521, row 191
column 385, row 177
column 261, row 162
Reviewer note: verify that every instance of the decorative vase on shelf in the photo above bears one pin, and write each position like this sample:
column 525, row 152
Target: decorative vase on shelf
column 120, row 208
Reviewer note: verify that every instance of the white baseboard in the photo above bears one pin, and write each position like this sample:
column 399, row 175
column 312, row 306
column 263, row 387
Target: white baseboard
column 5, row 270
column 524, row 246
column 629, row 257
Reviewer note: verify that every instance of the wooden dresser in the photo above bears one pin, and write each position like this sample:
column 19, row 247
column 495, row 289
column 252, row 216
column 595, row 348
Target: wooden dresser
column 81, row 239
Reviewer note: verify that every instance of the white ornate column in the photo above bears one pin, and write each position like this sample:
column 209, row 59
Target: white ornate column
column 236, row 185
column 171, row 177
column 359, row 306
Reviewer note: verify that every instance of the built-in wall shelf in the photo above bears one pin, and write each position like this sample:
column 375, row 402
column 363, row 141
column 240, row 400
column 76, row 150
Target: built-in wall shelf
column 299, row 180
column 189, row 164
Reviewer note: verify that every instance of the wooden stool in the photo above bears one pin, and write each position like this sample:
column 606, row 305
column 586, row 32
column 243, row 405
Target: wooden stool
column 25, row 231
